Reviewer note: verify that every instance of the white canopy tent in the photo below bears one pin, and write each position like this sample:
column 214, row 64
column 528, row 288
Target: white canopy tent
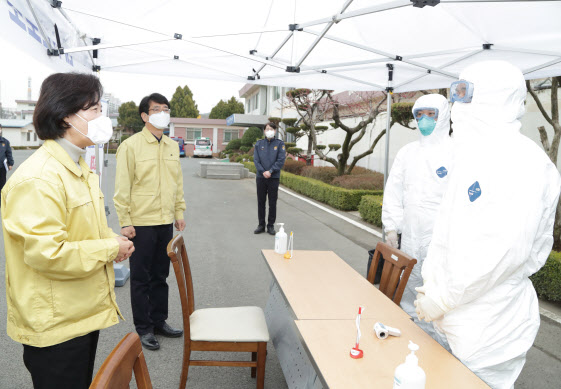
column 394, row 45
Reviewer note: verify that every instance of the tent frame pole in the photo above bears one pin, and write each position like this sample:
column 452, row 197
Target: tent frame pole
column 47, row 41
column 334, row 19
column 112, row 46
column 378, row 60
column 397, row 4
column 359, row 12
column 356, row 80
column 65, row 15
column 389, row 91
column 526, row 51
column 469, row 55
column 388, row 55
column 539, row 67
column 284, row 42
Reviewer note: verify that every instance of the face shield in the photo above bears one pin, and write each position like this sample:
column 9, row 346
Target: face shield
column 461, row 91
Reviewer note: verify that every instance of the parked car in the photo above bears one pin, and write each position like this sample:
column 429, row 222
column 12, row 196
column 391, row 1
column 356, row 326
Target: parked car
column 203, row 147
column 181, row 144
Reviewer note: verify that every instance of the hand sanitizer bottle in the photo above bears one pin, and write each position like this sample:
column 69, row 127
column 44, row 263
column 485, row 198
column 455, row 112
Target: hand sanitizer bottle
column 409, row 375
column 280, row 240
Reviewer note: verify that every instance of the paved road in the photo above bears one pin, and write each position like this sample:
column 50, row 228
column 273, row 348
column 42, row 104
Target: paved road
column 228, row 271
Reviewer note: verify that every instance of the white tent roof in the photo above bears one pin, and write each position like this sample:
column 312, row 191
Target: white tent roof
column 335, row 44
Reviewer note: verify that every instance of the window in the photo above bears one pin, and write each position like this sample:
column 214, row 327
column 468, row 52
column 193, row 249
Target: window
column 276, row 93
column 249, row 105
column 29, row 136
column 230, row 134
column 192, row 133
column 35, row 136
column 203, row 142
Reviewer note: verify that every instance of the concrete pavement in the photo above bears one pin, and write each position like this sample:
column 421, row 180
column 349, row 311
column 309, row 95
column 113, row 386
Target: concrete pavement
column 228, row 271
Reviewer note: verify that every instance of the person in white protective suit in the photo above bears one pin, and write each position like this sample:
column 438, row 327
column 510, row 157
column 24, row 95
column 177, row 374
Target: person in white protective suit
column 414, row 189
column 494, row 228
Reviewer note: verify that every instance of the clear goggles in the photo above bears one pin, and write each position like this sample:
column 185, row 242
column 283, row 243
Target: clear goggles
column 429, row 112
column 461, row 91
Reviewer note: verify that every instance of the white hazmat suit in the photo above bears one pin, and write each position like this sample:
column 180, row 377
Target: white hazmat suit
column 415, row 186
column 494, row 230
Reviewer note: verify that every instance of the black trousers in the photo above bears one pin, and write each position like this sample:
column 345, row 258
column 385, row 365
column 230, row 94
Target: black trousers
column 267, row 187
column 66, row 365
column 149, row 265
column 2, row 176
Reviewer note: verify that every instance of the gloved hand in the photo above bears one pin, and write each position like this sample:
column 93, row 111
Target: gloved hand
column 391, row 239
column 427, row 309
column 421, row 291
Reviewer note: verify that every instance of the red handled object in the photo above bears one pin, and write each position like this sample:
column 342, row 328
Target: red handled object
column 356, row 352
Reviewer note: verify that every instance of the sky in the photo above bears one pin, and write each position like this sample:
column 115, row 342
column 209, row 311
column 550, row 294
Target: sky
column 17, row 66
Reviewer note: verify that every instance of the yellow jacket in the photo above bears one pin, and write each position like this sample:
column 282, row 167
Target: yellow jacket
column 59, row 250
column 148, row 181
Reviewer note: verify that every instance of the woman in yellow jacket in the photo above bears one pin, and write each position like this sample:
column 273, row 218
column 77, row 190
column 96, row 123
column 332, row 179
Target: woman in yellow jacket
column 59, row 249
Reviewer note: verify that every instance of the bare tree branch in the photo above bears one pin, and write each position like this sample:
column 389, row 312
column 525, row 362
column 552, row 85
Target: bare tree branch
column 538, row 102
column 359, row 137
column 554, row 100
column 544, row 139
column 367, row 152
column 555, row 143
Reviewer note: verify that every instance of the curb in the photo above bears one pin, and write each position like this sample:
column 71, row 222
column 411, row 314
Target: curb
column 345, row 218
column 544, row 313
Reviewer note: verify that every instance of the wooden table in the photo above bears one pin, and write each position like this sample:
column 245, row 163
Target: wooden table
column 311, row 316
column 329, row 341
column 320, row 285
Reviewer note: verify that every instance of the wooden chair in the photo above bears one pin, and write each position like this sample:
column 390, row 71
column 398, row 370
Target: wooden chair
column 238, row 329
column 396, row 271
column 116, row 371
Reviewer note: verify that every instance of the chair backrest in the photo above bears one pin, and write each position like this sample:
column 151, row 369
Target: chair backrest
column 396, row 272
column 178, row 256
column 116, row 371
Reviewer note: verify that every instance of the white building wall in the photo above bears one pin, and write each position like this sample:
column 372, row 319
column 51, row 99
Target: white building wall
column 18, row 136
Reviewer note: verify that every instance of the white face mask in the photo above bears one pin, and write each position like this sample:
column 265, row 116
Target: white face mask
column 159, row 120
column 99, row 130
column 270, row 134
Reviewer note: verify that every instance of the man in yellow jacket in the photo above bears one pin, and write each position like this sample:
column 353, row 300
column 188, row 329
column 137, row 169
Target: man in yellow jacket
column 148, row 198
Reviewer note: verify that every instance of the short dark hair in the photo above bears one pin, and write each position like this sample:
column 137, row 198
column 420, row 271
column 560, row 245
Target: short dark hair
column 273, row 125
column 61, row 95
column 156, row 98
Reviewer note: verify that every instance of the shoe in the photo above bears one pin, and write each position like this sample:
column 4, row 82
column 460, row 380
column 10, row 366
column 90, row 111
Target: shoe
column 259, row 229
column 167, row 331
column 149, row 341
column 271, row 230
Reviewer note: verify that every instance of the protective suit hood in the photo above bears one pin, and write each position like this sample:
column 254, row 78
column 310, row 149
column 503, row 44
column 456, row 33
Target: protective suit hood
column 497, row 103
column 442, row 129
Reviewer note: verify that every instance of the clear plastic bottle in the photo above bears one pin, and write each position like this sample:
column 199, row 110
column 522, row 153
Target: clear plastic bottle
column 409, row 375
column 281, row 240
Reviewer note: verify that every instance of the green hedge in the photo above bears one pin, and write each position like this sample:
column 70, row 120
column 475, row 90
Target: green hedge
column 370, row 209
column 250, row 166
column 340, row 198
column 547, row 280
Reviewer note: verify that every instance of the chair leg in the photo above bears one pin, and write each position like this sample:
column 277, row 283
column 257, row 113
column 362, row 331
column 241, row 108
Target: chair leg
column 253, row 369
column 185, row 369
column 261, row 359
